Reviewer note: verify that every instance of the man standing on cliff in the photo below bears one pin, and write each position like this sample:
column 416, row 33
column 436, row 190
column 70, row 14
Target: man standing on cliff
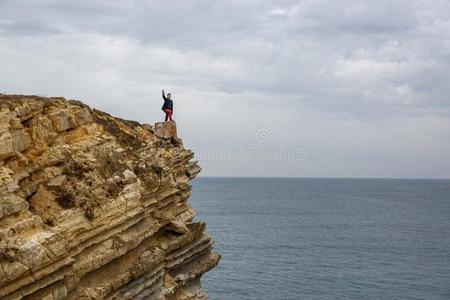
column 167, row 106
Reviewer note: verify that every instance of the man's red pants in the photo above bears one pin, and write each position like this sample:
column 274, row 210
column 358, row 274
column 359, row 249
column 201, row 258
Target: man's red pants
column 168, row 114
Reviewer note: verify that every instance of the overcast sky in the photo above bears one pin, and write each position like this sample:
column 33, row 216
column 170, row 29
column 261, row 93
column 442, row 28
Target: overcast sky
column 261, row 87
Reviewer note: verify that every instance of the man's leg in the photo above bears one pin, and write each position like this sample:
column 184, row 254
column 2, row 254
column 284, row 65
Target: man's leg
column 167, row 114
column 170, row 115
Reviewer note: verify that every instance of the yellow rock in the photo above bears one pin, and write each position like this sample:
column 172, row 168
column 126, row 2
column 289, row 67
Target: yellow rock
column 95, row 207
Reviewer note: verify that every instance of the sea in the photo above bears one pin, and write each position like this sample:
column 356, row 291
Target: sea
column 324, row 238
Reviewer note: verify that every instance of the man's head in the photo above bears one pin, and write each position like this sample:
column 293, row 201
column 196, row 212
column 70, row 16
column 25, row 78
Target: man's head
column 169, row 95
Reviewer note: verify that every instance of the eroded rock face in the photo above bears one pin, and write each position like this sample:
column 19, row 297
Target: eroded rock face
column 95, row 207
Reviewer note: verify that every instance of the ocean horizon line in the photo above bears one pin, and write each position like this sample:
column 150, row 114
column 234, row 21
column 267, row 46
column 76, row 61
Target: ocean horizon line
column 326, row 177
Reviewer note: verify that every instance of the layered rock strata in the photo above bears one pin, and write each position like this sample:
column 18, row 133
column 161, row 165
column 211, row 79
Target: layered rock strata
column 95, row 207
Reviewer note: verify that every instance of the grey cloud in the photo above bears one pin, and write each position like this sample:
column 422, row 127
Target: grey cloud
column 358, row 17
column 343, row 64
column 262, row 37
column 26, row 28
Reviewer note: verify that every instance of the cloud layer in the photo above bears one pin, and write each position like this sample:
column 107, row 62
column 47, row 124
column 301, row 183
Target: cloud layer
column 361, row 86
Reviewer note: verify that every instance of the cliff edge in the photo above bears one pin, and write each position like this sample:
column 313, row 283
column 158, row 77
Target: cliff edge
column 95, row 207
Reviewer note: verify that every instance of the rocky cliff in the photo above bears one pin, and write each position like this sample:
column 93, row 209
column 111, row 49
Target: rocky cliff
column 95, row 207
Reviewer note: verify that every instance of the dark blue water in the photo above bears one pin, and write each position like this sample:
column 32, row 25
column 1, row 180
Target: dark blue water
column 327, row 238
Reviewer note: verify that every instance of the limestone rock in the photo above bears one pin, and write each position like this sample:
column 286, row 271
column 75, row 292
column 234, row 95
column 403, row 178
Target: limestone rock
column 95, row 207
column 128, row 176
column 6, row 144
column 57, row 182
column 166, row 129
column 178, row 227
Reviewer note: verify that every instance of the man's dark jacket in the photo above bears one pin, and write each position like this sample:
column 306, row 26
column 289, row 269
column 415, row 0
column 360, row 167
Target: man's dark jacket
column 168, row 104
